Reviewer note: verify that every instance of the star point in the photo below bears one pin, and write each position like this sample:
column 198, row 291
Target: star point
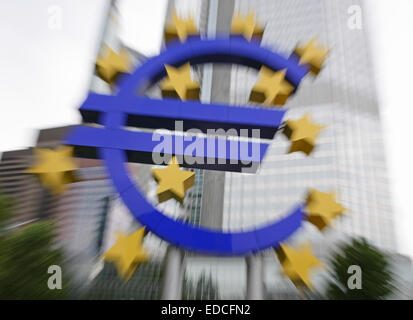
column 179, row 83
column 173, row 182
column 271, row 87
column 54, row 167
column 322, row 208
column 297, row 263
column 313, row 55
column 180, row 28
column 302, row 133
column 246, row 26
column 110, row 64
column 127, row 253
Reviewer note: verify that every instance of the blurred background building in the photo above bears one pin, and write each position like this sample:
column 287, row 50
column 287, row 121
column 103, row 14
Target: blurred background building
column 349, row 159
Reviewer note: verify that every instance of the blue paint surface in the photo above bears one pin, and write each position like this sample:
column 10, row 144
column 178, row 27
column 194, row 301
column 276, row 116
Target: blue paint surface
column 129, row 108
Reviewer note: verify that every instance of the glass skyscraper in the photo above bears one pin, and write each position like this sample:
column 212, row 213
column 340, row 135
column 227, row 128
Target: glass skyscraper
column 349, row 156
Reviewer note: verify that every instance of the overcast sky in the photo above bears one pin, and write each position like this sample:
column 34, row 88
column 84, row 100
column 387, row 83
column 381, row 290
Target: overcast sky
column 44, row 73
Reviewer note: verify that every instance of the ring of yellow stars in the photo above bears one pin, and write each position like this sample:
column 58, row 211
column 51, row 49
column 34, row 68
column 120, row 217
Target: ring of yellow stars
column 179, row 84
column 302, row 133
column 247, row 26
column 180, row 28
column 127, row 253
column 297, row 263
column 313, row 55
column 54, row 167
column 173, row 182
column 321, row 208
column 271, row 88
column 111, row 64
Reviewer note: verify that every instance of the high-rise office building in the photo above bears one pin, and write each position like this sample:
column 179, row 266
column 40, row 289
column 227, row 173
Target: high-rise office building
column 349, row 157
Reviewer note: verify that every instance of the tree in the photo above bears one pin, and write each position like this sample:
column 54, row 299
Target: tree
column 376, row 276
column 25, row 256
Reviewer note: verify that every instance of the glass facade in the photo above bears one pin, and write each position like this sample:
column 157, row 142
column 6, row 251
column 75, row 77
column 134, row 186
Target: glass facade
column 349, row 156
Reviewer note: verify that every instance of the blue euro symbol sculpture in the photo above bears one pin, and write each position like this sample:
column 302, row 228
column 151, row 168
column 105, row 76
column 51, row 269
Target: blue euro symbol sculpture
column 129, row 107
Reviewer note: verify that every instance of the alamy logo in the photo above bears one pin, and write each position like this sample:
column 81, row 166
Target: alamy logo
column 55, row 17
column 354, row 22
column 354, row 281
column 55, row 280
column 193, row 146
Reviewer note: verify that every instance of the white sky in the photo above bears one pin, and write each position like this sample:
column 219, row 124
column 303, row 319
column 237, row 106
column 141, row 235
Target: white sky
column 391, row 25
column 44, row 74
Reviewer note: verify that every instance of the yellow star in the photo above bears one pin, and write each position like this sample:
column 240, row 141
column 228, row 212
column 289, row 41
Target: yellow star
column 313, row 55
column 173, row 182
column 179, row 84
column 246, row 26
column 54, row 167
column 302, row 133
column 127, row 253
column 297, row 263
column 322, row 208
column 111, row 64
column 271, row 88
column 180, row 28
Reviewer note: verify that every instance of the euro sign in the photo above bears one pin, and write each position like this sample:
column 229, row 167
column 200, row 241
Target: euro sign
column 130, row 108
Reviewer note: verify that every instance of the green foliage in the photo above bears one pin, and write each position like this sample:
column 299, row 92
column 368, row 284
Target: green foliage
column 377, row 277
column 25, row 256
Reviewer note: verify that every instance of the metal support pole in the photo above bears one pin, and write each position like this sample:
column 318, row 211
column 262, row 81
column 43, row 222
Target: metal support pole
column 173, row 275
column 255, row 283
column 173, row 272
column 215, row 87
